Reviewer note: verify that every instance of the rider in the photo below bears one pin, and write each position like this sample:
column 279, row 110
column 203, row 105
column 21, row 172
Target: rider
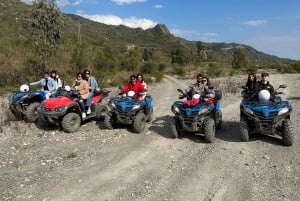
column 58, row 81
column 82, row 87
column 134, row 85
column 92, row 86
column 47, row 84
column 264, row 84
column 202, row 88
column 194, row 88
column 250, row 84
column 207, row 92
column 140, row 78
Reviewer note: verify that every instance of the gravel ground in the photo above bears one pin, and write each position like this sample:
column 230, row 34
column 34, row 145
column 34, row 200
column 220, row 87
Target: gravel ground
column 95, row 164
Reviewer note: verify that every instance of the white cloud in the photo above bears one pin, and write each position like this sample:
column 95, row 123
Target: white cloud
column 158, row 6
column 77, row 2
column 131, row 22
column 195, row 36
column 254, row 22
column 122, row 2
column 62, row 3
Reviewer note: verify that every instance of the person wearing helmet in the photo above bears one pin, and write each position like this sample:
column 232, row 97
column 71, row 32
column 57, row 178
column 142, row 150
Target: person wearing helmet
column 47, row 84
column 264, row 84
column 134, row 85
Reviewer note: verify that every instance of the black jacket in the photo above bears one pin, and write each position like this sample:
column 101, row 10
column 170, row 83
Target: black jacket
column 260, row 86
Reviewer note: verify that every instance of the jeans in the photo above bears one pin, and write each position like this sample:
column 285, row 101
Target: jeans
column 82, row 105
column 89, row 99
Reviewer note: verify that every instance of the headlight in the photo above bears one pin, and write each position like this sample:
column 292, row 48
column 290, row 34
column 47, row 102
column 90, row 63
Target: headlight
column 283, row 110
column 175, row 109
column 205, row 110
column 136, row 107
column 247, row 110
column 112, row 104
column 60, row 109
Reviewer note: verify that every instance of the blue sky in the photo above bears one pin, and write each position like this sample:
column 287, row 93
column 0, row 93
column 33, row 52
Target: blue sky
column 271, row 26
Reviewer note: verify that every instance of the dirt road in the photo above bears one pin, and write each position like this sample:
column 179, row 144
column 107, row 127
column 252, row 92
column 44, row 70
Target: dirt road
column 95, row 164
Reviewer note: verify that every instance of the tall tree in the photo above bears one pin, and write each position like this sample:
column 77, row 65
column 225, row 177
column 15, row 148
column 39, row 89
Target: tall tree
column 46, row 23
column 239, row 58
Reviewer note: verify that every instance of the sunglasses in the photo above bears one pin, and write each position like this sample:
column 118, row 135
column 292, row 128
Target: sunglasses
column 204, row 80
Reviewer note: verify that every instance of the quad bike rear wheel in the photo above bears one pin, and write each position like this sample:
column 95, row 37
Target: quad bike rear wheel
column 31, row 112
column 71, row 122
column 209, row 130
column 244, row 130
column 287, row 133
column 139, row 123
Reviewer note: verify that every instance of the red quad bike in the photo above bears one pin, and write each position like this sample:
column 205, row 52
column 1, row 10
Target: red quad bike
column 65, row 110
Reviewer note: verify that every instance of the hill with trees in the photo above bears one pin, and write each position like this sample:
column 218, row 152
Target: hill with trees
column 38, row 37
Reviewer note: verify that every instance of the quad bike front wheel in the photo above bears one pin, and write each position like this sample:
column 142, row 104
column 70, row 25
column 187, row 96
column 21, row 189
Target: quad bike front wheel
column 287, row 133
column 107, row 122
column 101, row 110
column 42, row 122
column 149, row 114
column 218, row 120
column 13, row 115
column 139, row 123
column 71, row 122
column 244, row 130
column 175, row 129
column 31, row 112
column 209, row 130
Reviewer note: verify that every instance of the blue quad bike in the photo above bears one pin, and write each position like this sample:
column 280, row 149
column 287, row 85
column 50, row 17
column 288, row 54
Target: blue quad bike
column 126, row 110
column 201, row 118
column 23, row 104
column 266, row 113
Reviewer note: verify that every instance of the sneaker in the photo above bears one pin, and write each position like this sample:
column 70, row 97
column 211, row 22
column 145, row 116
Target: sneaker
column 88, row 111
column 83, row 115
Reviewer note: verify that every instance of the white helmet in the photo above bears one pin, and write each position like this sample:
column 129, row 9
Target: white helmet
column 264, row 95
column 196, row 96
column 130, row 93
column 67, row 88
column 24, row 88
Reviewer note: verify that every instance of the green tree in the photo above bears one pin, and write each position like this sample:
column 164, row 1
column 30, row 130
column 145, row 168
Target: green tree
column 199, row 48
column 296, row 66
column 46, row 24
column 239, row 58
